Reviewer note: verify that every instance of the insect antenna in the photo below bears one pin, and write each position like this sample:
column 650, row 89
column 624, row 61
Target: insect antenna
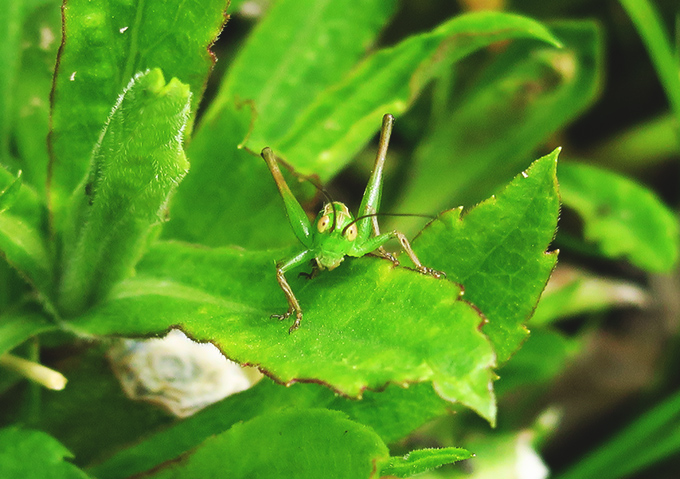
column 371, row 215
column 312, row 179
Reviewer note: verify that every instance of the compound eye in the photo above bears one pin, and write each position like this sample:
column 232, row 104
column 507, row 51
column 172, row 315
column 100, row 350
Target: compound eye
column 324, row 223
column 351, row 232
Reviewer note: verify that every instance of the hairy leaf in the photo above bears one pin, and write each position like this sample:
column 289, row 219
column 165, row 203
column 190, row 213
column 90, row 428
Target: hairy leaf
column 422, row 460
column 136, row 166
column 105, row 43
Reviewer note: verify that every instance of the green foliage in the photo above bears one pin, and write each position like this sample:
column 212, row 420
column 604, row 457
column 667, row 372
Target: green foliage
column 126, row 211
column 28, row 453
column 622, row 217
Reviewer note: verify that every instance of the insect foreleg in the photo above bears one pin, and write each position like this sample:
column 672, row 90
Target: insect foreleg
column 293, row 304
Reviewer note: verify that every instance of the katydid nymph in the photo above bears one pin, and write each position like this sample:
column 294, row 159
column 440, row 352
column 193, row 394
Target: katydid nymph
column 336, row 233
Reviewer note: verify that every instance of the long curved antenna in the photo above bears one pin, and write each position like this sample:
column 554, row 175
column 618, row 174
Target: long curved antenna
column 374, row 215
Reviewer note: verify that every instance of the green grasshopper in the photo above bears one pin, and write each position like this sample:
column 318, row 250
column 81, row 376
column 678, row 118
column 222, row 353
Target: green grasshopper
column 337, row 233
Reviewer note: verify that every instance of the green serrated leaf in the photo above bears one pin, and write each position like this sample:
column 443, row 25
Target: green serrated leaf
column 497, row 251
column 105, row 43
column 29, row 453
column 624, row 218
column 528, row 93
column 422, row 460
column 305, row 443
column 137, row 164
column 339, row 122
column 366, row 323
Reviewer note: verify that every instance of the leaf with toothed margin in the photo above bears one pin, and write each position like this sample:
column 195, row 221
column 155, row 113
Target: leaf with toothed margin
column 367, row 324
column 497, row 251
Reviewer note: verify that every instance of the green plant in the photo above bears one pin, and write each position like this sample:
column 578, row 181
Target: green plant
column 143, row 212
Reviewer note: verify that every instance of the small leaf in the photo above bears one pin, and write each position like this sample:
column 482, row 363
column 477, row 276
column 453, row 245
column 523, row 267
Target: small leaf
column 622, row 217
column 17, row 328
column 105, row 43
column 497, row 251
column 366, row 324
column 136, row 166
column 422, row 460
column 28, row 453
column 307, row 443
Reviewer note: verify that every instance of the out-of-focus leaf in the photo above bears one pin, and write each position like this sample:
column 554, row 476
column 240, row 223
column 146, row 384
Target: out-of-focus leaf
column 105, row 43
column 497, row 251
column 88, row 431
column 422, row 460
column 650, row 26
column 28, row 453
column 571, row 292
column 366, row 324
column 622, row 217
column 651, row 438
column 296, row 51
column 15, row 328
column 9, row 194
column 307, row 443
column 137, row 164
column 540, row 359
column 24, row 249
column 528, row 93
column 180, row 437
column 299, row 49
column 341, row 120
column 40, row 42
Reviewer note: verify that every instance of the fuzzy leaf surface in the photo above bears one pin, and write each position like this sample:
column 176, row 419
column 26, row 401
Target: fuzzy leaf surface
column 497, row 251
column 366, row 324
column 105, row 43
column 307, row 443
column 623, row 218
column 422, row 460
column 137, row 164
